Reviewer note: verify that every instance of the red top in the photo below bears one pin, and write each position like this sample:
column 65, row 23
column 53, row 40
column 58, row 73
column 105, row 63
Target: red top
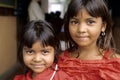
column 46, row 75
column 105, row 69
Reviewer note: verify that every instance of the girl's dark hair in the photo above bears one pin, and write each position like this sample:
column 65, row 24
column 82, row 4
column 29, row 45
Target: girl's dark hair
column 35, row 30
column 96, row 8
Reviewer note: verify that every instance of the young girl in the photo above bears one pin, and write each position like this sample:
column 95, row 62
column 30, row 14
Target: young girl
column 37, row 55
column 91, row 53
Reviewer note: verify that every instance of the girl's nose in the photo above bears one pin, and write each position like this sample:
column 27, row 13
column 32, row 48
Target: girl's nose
column 81, row 28
column 37, row 57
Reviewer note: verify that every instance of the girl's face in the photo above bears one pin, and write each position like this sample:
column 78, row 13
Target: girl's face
column 38, row 58
column 85, row 29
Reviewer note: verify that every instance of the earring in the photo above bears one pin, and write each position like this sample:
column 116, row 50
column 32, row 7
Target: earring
column 103, row 33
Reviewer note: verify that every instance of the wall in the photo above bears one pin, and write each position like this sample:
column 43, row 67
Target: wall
column 7, row 42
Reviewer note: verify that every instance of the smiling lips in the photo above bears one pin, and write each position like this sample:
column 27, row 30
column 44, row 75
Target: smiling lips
column 82, row 38
column 38, row 65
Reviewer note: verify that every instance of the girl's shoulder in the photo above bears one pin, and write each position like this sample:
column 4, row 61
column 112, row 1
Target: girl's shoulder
column 64, row 76
column 113, row 54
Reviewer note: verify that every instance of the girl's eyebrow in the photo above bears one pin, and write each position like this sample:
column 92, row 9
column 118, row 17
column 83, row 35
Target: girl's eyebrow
column 86, row 18
column 90, row 18
column 27, row 49
column 74, row 18
column 47, row 48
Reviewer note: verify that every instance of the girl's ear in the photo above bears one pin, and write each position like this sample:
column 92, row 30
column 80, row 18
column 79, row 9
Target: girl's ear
column 104, row 25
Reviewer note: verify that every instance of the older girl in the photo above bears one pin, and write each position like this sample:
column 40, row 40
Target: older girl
column 91, row 53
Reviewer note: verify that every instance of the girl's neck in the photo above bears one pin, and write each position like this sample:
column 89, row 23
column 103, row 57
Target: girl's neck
column 87, row 50
column 89, row 53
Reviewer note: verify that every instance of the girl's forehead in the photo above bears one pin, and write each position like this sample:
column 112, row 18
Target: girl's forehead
column 40, row 43
column 82, row 13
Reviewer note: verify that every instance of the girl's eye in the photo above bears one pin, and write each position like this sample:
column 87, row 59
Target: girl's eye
column 30, row 52
column 74, row 22
column 90, row 22
column 45, row 52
